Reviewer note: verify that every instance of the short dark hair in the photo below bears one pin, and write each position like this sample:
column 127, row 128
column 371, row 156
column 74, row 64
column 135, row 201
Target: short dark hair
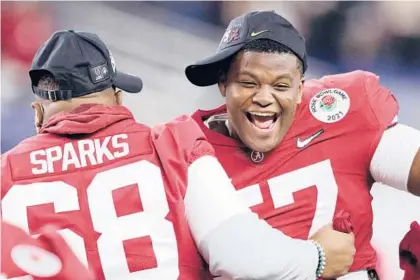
column 264, row 46
column 48, row 82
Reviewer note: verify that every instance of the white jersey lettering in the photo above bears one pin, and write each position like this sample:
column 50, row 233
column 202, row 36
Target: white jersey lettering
column 79, row 154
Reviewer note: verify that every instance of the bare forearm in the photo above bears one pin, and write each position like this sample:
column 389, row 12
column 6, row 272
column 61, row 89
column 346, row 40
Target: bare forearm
column 413, row 185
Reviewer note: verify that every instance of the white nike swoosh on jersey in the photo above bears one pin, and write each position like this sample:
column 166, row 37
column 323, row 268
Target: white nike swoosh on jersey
column 303, row 143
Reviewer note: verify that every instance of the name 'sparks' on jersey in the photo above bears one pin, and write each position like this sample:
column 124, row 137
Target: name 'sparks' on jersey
column 89, row 152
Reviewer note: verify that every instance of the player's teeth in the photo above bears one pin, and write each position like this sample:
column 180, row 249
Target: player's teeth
column 262, row 114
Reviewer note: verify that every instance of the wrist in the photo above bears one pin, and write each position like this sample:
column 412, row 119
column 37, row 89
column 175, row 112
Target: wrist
column 322, row 260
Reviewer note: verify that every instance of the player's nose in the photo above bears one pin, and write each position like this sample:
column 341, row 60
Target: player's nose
column 263, row 97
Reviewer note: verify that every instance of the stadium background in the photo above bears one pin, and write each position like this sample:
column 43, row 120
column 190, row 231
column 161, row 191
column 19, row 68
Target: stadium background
column 156, row 40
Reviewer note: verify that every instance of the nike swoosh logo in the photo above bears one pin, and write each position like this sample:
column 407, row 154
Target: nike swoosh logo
column 303, row 143
column 253, row 34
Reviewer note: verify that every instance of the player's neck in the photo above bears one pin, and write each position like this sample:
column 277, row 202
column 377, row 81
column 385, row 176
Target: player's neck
column 220, row 124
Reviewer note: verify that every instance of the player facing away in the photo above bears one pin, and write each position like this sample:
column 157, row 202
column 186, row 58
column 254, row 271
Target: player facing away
column 135, row 203
column 298, row 151
column 46, row 257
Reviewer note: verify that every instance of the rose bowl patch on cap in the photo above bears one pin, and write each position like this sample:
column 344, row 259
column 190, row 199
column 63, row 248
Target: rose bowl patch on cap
column 330, row 105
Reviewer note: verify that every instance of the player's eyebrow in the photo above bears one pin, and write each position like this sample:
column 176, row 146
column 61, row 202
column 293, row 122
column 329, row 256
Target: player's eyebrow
column 279, row 77
column 284, row 76
column 245, row 72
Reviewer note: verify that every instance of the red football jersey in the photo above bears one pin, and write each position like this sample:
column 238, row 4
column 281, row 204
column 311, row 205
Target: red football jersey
column 95, row 174
column 46, row 258
column 322, row 165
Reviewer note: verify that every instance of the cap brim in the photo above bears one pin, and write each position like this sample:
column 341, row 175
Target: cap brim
column 127, row 82
column 205, row 72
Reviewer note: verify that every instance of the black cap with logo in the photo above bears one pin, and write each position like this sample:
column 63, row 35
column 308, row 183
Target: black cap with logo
column 242, row 30
column 81, row 64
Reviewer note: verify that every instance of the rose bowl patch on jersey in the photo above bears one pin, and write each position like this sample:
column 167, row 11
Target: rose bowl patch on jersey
column 330, row 105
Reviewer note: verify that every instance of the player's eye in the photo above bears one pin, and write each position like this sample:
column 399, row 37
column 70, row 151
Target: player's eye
column 247, row 84
column 281, row 87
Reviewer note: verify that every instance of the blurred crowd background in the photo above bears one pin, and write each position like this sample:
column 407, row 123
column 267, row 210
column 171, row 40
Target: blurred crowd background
column 156, row 40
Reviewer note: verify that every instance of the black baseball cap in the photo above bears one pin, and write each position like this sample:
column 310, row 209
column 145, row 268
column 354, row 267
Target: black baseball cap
column 242, row 30
column 81, row 64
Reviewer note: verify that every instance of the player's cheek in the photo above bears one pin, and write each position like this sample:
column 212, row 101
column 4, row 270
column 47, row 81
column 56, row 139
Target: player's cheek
column 243, row 130
column 247, row 134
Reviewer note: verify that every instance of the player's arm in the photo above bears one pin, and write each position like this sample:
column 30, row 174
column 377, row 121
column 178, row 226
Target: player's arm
column 232, row 239
column 396, row 150
column 396, row 161
column 413, row 185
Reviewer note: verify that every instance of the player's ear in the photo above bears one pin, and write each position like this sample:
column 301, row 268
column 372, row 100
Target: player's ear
column 222, row 83
column 118, row 97
column 300, row 91
column 38, row 115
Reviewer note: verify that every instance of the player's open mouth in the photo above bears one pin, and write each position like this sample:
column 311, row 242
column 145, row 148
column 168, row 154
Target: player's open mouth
column 263, row 120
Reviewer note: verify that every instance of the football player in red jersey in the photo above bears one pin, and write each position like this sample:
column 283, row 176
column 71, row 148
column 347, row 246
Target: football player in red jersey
column 47, row 257
column 298, row 151
column 135, row 203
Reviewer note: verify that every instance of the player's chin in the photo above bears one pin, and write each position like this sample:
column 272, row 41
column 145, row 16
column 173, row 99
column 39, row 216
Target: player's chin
column 262, row 141
column 264, row 146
